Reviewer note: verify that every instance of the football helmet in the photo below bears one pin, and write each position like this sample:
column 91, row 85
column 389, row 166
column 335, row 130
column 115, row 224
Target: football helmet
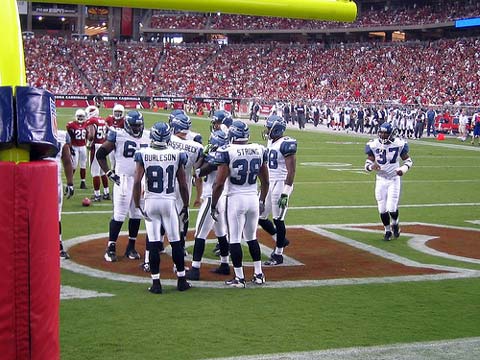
column 220, row 117
column 386, row 133
column 160, row 134
column 134, row 123
column 217, row 139
column 80, row 115
column 181, row 123
column 92, row 111
column 175, row 113
column 118, row 112
column 275, row 127
column 239, row 131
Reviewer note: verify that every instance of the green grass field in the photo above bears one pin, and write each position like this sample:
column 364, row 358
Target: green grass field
column 330, row 188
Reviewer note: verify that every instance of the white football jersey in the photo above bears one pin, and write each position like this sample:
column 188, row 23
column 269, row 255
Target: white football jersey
column 161, row 166
column 125, row 147
column 62, row 139
column 277, row 152
column 244, row 162
column 194, row 153
column 387, row 155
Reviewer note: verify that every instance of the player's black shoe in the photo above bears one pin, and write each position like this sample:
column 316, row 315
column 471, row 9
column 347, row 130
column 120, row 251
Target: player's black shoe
column 223, row 269
column 274, row 260
column 83, row 185
column 155, row 289
column 183, row 284
column 111, row 253
column 64, row 255
column 236, row 283
column 387, row 236
column 132, row 254
column 396, row 231
column 193, row 274
column 106, row 197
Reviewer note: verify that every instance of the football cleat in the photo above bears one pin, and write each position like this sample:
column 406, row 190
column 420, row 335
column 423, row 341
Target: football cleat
column 387, row 236
column 223, row 269
column 64, row 255
column 110, row 254
column 145, row 267
column 83, row 185
column 258, row 279
column 236, row 283
column 106, row 197
column 132, row 254
column 96, row 198
column 274, row 260
column 193, row 274
column 396, row 231
column 216, row 249
column 183, row 284
column 155, row 289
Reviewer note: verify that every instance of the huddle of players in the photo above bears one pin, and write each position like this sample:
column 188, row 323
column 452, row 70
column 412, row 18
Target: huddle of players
column 228, row 157
column 229, row 166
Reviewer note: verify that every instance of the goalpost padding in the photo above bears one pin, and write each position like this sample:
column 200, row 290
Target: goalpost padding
column 30, row 281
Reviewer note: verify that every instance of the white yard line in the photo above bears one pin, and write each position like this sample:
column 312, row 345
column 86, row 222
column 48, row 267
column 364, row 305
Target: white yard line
column 309, row 207
column 458, row 349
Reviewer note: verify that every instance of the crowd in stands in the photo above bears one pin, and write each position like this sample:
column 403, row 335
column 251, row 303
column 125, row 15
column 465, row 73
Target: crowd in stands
column 407, row 13
column 440, row 72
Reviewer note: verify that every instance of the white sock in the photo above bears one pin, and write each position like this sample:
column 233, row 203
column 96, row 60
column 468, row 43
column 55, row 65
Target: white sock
column 258, row 267
column 239, row 273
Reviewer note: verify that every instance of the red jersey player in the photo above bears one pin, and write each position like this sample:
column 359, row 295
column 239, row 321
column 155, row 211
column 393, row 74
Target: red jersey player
column 96, row 136
column 78, row 134
column 115, row 121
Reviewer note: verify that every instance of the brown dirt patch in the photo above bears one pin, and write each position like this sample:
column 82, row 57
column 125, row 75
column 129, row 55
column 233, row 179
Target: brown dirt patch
column 323, row 258
column 460, row 242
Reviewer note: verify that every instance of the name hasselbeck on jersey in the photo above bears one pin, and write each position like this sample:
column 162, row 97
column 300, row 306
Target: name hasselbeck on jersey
column 383, row 157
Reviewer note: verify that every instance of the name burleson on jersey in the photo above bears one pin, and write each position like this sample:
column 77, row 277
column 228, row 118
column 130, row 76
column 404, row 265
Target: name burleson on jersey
column 160, row 157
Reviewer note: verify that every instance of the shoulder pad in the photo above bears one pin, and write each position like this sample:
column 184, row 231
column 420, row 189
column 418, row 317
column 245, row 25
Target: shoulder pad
column 288, row 147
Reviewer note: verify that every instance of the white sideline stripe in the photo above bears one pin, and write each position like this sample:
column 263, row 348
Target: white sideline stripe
column 456, row 273
column 70, row 292
column 372, row 181
column 307, row 207
column 458, row 349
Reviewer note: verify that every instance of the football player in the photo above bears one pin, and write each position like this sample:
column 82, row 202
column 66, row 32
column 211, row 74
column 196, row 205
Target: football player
column 281, row 170
column 78, row 133
column 239, row 166
column 181, row 125
column 163, row 168
column 96, row 135
column 63, row 159
column 123, row 142
column 115, row 121
column 383, row 154
column 190, row 135
column 205, row 222
column 221, row 120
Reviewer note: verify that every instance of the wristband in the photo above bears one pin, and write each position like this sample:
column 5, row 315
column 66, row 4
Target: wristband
column 287, row 189
column 404, row 169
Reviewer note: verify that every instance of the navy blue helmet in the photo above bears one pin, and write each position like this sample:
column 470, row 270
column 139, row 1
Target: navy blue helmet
column 239, row 131
column 175, row 113
column 386, row 133
column 275, row 127
column 221, row 117
column 134, row 123
column 160, row 134
column 181, row 123
column 217, row 139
